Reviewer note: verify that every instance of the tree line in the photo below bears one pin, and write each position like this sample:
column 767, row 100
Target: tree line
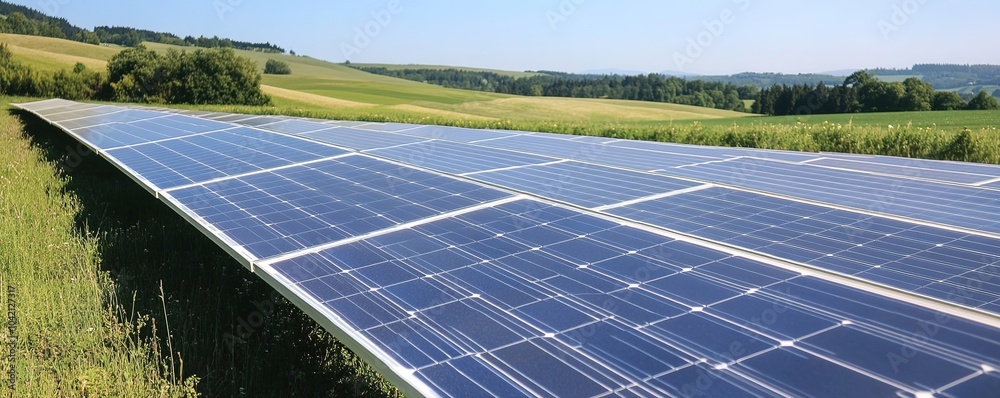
column 651, row 88
column 131, row 37
column 862, row 92
column 203, row 76
column 18, row 19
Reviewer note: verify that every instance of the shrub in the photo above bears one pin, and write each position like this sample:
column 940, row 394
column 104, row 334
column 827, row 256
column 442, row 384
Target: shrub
column 216, row 76
column 275, row 67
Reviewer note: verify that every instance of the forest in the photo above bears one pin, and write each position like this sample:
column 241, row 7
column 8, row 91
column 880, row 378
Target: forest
column 863, row 92
column 650, row 88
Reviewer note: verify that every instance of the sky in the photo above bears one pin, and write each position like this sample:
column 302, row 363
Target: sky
column 698, row 37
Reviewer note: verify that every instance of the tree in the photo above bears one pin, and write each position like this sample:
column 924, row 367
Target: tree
column 919, row 95
column 19, row 24
column 982, row 102
column 275, row 67
column 947, row 101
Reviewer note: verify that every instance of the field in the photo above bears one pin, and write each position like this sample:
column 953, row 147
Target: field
column 973, row 90
column 368, row 94
column 443, row 67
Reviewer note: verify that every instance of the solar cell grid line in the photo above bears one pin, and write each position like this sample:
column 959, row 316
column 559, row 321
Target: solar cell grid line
column 943, row 165
column 69, row 108
column 360, row 140
column 925, row 260
column 592, row 152
column 672, row 148
column 191, row 159
column 902, row 171
column 581, row 184
column 456, row 134
column 457, row 158
column 994, row 183
column 274, row 212
column 389, row 127
column 294, row 126
column 420, row 302
column 40, row 107
column 957, row 205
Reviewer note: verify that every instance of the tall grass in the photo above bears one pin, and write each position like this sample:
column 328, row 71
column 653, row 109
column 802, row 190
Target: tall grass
column 74, row 336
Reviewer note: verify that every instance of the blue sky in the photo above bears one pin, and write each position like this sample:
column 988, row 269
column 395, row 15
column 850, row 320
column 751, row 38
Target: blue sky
column 706, row 37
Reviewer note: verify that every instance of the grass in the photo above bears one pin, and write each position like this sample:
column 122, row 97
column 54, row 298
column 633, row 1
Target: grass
column 75, row 335
column 102, row 267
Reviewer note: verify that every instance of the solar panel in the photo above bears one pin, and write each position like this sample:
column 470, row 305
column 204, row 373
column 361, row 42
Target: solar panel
column 942, row 263
column 360, row 140
column 451, row 157
column 957, row 205
column 463, row 262
column 584, row 185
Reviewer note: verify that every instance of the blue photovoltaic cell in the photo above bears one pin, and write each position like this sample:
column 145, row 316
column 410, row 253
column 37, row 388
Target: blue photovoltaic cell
column 915, row 170
column 48, row 106
column 584, row 185
column 465, row 297
column 981, row 386
column 173, row 163
column 944, row 203
column 388, row 127
column 594, row 152
column 110, row 136
column 75, row 110
column 451, row 157
column 949, row 265
column 717, row 152
column 456, row 134
column 229, row 118
column 361, row 140
column 260, row 121
column 124, row 116
column 962, row 337
column 273, row 213
column 294, row 126
column 960, row 167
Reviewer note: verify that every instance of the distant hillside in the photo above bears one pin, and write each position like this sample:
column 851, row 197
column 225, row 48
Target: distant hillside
column 21, row 20
column 648, row 88
column 949, row 76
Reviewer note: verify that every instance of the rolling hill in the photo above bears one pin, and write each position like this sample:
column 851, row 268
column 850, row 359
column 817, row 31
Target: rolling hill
column 320, row 86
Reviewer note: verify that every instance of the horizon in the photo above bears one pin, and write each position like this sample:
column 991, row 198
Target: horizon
column 723, row 37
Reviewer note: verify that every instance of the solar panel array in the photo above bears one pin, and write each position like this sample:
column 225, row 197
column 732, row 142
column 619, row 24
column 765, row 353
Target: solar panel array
column 481, row 263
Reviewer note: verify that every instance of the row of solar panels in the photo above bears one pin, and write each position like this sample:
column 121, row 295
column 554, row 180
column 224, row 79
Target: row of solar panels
column 476, row 262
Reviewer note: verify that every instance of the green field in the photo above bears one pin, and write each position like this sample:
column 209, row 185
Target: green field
column 973, row 90
column 443, row 67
